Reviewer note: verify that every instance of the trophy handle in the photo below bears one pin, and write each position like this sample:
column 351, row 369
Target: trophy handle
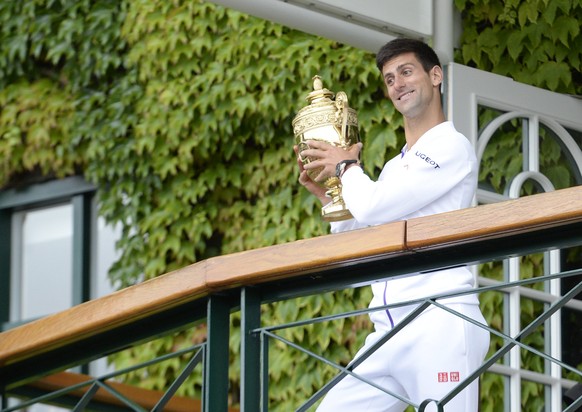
column 341, row 103
column 302, row 146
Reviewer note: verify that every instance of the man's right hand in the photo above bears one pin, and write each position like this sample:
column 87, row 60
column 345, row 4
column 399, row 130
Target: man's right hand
column 315, row 188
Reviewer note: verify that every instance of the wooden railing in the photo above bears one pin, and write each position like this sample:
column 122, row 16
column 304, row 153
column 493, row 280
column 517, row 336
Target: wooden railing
column 212, row 288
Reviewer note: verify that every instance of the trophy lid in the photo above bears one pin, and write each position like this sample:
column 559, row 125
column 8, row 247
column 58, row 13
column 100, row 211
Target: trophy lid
column 319, row 93
column 323, row 111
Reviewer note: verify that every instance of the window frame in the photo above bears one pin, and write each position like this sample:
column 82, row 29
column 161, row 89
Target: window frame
column 80, row 194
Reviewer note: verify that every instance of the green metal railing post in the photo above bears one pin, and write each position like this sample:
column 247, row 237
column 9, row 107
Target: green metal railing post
column 216, row 365
column 264, row 364
column 3, row 399
column 81, row 247
column 250, row 350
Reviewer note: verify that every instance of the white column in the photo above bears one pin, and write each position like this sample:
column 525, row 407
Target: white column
column 443, row 29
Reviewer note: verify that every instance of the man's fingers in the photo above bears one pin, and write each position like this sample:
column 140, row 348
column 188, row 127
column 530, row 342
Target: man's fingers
column 314, row 164
column 316, row 143
column 300, row 164
column 312, row 153
column 323, row 174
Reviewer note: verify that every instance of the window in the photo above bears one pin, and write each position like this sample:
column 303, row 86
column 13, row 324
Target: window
column 54, row 251
column 41, row 251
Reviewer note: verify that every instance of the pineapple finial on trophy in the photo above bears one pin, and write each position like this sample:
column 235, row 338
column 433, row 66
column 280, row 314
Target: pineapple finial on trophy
column 317, row 83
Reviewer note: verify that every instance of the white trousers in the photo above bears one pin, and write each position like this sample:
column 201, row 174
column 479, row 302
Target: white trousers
column 425, row 360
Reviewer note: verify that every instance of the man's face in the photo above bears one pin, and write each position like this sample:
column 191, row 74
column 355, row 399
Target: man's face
column 410, row 88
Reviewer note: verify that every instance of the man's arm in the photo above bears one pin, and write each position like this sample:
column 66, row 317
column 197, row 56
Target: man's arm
column 406, row 187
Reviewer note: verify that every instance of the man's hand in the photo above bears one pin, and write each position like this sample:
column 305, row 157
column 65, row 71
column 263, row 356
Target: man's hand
column 327, row 157
column 304, row 179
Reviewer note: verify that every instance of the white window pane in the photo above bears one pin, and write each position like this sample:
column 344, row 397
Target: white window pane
column 105, row 255
column 46, row 261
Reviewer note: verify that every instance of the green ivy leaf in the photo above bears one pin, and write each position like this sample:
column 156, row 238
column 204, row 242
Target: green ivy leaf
column 566, row 28
column 528, row 11
column 551, row 73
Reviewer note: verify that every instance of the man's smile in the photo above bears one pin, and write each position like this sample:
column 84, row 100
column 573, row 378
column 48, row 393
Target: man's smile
column 406, row 95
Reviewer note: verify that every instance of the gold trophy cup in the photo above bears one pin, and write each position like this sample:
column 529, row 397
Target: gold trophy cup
column 332, row 121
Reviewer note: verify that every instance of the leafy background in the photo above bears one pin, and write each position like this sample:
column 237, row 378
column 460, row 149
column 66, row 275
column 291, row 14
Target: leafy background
column 180, row 113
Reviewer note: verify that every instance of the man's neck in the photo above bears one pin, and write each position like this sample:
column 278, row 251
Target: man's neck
column 414, row 128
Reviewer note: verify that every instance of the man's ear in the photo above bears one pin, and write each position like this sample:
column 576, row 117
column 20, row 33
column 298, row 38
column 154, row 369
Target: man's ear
column 436, row 75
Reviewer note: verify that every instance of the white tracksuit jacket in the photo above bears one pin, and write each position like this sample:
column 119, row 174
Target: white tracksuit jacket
column 438, row 174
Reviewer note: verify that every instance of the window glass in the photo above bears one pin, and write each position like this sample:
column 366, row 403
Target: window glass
column 43, row 253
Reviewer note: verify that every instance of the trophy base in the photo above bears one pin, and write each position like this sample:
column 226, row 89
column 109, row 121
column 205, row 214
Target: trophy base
column 335, row 212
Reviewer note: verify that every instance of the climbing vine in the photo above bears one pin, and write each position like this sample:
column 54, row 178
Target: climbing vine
column 536, row 42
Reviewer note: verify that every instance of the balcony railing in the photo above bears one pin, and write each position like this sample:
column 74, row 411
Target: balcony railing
column 33, row 356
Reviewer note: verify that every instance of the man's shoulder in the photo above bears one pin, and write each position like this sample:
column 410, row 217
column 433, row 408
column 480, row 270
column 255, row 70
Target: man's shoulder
column 445, row 135
column 445, row 142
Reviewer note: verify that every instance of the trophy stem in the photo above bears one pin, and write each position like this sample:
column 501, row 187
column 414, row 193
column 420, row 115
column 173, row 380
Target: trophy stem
column 336, row 210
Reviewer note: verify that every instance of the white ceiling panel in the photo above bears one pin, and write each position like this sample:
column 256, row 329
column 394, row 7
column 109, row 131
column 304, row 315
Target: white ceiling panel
column 366, row 24
column 413, row 17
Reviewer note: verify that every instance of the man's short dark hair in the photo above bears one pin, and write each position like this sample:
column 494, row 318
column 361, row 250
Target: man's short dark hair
column 424, row 53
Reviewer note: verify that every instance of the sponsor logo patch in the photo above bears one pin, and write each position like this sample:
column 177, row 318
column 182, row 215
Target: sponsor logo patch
column 428, row 160
column 443, row 377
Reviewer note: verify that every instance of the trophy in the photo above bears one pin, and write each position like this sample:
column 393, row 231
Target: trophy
column 331, row 121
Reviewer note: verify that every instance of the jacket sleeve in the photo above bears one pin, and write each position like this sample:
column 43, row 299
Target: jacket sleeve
column 432, row 171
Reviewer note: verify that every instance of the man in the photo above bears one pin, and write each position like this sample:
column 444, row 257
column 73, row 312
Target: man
column 435, row 172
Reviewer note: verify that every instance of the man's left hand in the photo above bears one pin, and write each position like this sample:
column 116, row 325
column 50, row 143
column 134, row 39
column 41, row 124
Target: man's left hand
column 327, row 156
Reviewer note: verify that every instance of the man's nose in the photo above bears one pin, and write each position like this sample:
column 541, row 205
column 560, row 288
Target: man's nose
column 398, row 82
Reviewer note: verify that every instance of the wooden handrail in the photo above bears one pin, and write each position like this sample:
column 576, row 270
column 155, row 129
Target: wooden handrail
column 191, row 283
column 287, row 261
column 495, row 220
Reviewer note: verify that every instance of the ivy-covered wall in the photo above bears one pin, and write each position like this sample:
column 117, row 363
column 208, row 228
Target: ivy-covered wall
column 180, row 113
column 536, row 42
